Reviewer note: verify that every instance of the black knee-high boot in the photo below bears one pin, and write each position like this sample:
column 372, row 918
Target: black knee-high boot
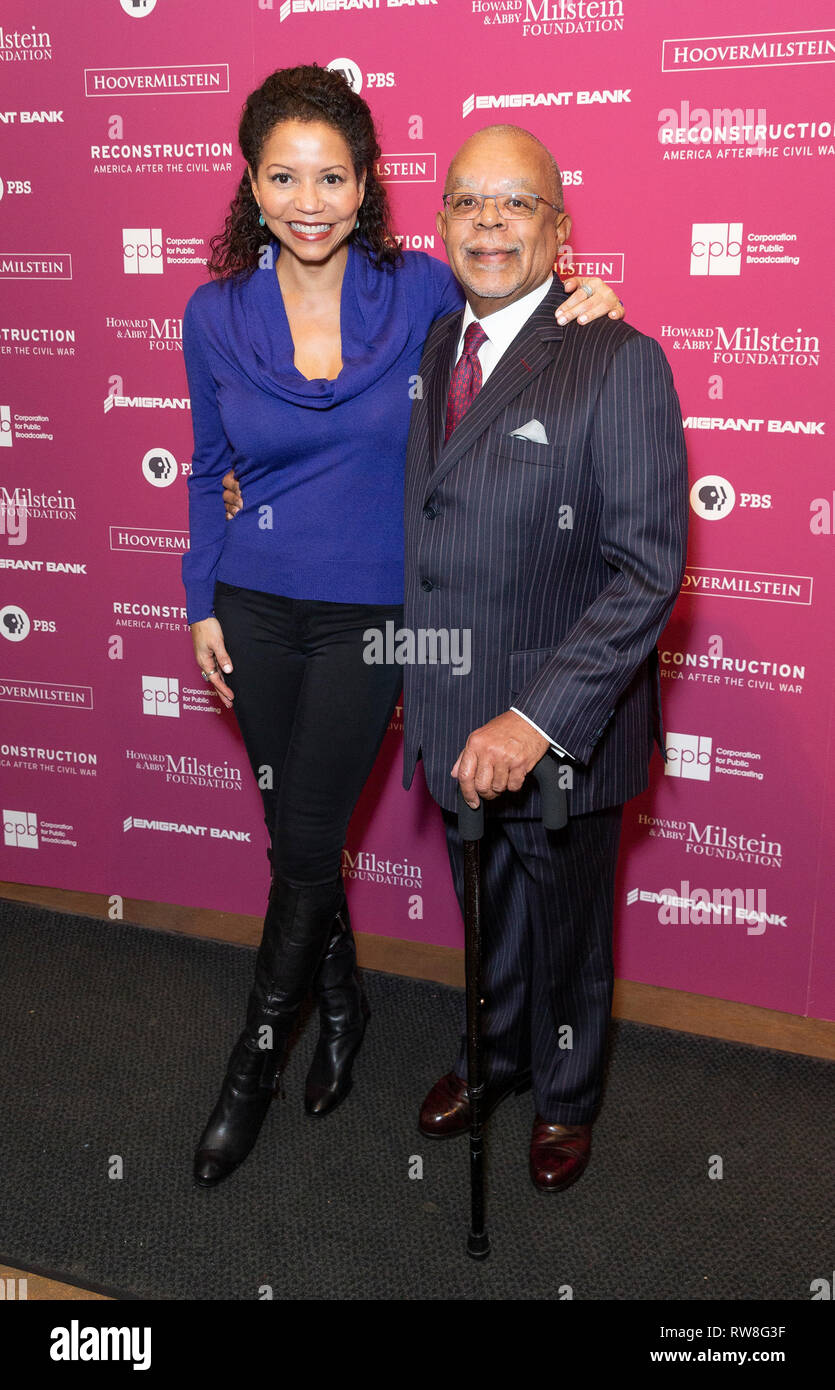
column 343, row 1014
column 297, row 928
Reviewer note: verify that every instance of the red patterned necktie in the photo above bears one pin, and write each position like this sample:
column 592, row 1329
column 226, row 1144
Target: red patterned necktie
column 466, row 378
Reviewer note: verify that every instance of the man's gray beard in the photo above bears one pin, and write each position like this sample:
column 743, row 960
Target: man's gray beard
column 493, row 294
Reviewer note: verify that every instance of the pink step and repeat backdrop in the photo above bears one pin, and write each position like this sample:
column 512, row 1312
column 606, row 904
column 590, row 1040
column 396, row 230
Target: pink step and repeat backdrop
column 697, row 145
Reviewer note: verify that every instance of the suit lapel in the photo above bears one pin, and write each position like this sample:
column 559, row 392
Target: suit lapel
column 533, row 349
column 439, row 388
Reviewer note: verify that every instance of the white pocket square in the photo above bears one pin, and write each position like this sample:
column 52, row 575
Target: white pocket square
column 534, row 430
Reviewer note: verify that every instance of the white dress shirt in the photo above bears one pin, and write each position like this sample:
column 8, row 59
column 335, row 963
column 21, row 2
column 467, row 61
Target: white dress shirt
column 501, row 328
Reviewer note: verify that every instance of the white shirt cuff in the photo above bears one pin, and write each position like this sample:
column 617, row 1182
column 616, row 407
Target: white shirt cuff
column 555, row 747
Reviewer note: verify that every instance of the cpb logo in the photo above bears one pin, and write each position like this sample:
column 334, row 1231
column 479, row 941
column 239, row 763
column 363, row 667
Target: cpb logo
column 716, row 248
column 688, row 755
column 142, row 250
column 161, row 695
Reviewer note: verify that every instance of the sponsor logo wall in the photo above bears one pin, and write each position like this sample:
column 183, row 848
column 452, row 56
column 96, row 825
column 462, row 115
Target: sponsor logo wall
column 697, row 147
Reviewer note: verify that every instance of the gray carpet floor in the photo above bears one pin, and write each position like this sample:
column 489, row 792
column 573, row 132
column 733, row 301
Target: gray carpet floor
column 114, row 1043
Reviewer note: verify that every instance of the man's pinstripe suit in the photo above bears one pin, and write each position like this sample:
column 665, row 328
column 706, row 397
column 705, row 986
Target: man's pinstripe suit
column 564, row 560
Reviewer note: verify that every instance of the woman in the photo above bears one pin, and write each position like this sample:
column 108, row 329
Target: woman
column 301, row 359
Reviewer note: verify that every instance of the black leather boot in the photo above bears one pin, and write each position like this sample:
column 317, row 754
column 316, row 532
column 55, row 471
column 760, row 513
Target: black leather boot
column 297, row 926
column 343, row 1014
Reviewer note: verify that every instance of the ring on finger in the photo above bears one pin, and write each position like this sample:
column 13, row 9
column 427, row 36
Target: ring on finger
column 587, row 291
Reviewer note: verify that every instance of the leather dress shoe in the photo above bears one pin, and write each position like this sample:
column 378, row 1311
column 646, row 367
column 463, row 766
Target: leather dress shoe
column 559, row 1154
column 446, row 1111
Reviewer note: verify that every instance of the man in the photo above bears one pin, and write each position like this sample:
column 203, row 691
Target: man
column 546, row 512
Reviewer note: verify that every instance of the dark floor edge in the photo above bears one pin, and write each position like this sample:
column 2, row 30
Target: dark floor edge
column 63, row 1277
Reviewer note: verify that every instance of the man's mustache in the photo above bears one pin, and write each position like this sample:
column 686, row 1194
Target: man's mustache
column 477, row 247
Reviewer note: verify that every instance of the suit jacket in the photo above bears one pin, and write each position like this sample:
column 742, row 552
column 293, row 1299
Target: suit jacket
column 563, row 559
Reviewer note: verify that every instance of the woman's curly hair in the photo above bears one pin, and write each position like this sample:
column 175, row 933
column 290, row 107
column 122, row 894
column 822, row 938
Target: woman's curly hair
column 304, row 93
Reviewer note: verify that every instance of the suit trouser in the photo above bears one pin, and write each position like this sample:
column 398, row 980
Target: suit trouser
column 547, row 901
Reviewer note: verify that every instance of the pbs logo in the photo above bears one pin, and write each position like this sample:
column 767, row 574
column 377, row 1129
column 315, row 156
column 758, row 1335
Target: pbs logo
column 712, row 498
column 353, row 75
column 14, row 623
column 159, row 467
column 348, row 69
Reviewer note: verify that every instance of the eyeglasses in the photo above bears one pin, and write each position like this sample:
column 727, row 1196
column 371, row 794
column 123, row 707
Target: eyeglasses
column 510, row 207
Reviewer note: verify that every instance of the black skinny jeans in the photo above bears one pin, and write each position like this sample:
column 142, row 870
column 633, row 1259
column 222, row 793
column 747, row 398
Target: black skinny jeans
column 312, row 714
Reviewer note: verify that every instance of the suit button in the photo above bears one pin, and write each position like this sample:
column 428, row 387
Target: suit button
column 426, row 585
column 430, row 511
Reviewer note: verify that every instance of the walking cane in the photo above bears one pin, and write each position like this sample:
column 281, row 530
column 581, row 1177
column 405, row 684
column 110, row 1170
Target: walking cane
column 471, row 829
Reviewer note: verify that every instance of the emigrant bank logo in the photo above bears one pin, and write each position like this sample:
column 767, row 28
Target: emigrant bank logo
column 310, row 7
column 492, row 101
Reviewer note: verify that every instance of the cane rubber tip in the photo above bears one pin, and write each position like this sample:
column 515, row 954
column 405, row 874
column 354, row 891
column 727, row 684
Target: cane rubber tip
column 478, row 1246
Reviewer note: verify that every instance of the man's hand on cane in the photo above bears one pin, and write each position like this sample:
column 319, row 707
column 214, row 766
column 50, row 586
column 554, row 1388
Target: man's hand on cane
column 497, row 757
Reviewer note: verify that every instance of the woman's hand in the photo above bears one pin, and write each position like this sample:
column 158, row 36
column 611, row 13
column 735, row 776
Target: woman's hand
column 212, row 656
column 232, row 495
column 584, row 307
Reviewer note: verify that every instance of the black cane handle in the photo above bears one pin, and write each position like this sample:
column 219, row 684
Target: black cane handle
column 554, row 805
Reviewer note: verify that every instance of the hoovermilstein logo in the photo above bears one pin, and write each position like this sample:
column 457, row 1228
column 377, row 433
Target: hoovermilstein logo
column 158, row 80
column 35, row 265
column 77, row 1343
column 422, row 646
column 786, row 48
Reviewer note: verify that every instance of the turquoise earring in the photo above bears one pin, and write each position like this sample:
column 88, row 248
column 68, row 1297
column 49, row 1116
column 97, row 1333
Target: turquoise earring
column 261, row 222
column 356, row 224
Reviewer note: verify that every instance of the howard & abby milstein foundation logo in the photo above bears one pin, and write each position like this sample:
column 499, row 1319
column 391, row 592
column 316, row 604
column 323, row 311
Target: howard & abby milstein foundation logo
column 422, row 646
column 77, row 1343
column 367, row 865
